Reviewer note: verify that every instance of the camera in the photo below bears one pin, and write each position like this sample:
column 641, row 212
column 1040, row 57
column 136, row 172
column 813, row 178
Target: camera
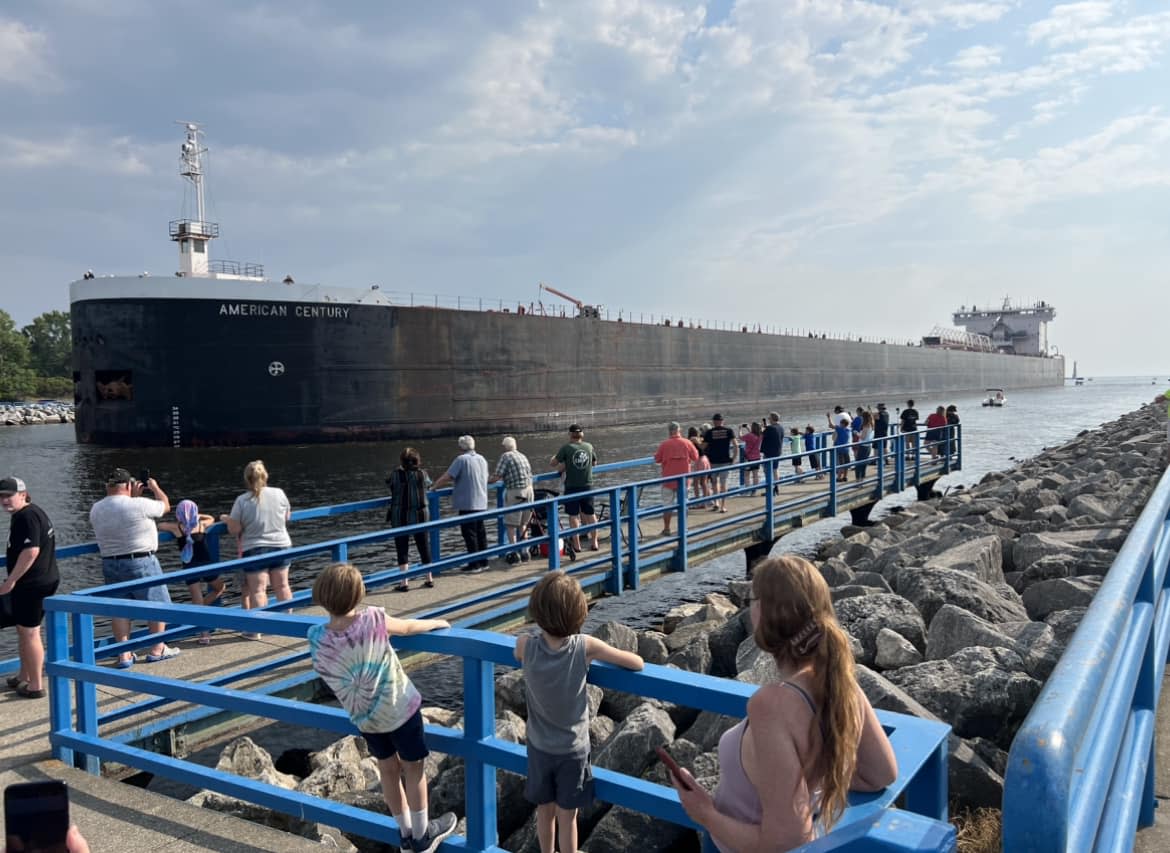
column 144, row 476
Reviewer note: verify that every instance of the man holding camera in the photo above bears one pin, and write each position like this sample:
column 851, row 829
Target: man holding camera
column 123, row 523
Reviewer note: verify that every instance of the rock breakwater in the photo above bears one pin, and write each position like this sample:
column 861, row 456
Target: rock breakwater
column 958, row 608
column 30, row 414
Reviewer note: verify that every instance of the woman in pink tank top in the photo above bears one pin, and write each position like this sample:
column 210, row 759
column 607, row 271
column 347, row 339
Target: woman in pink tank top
column 809, row 738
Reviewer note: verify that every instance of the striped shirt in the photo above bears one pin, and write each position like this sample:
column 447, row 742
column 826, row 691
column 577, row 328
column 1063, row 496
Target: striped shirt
column 514, row 469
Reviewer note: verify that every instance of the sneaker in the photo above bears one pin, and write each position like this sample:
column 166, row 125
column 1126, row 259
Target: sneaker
column 524, row 558
column 437, row 830
column 512, row 559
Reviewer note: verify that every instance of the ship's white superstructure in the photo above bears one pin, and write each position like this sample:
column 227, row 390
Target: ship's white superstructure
column 1015, row 329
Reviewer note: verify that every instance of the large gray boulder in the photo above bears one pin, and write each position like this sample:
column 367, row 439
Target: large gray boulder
column 1059, row 594
column 928, row 589
column 623, row 829
column 630, row 748
column 954, row 629
column 981, row 692
column 981, row 557
column 618, row 635
column 894, row 651
column 865, row 616
column 1064, row 623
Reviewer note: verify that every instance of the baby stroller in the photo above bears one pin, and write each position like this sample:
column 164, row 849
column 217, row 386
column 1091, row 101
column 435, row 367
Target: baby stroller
column 536, row 527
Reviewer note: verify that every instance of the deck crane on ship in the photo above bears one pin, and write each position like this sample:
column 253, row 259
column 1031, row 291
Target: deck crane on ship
column 583, row 310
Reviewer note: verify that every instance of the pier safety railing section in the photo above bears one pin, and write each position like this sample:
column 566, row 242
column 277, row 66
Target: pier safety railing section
column 1081, row 769
column 77, row 739
column 892, row 466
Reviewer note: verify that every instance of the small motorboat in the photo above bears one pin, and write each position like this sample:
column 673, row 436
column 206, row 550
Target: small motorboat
column 995, row 397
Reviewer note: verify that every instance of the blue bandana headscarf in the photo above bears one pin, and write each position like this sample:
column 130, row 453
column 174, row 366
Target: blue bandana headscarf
column 188, row 515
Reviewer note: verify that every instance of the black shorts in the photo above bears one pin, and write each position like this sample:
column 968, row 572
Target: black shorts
column 566, row 780
column 578, row 506
column 406, row 741
column 28, row 603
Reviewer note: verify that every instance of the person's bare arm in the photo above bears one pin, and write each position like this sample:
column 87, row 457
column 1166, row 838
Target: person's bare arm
column 443, row 480
column 406, row 627
column 518, row 651
column 877, row 767
column 159, row 494
column 233, row 526
column 24, row 562
column 596, row 649
column 171, row 527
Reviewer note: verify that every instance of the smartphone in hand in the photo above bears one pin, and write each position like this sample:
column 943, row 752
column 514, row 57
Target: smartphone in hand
column 673, row 767
column 36, row 816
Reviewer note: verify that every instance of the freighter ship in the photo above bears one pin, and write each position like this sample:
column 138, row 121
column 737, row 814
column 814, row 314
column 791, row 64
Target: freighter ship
column 220, row 355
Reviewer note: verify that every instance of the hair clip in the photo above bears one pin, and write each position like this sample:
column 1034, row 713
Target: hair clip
column 806, row 640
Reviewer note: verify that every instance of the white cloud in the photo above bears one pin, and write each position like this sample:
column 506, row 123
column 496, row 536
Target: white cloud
column 977, row 58
column 77, row 149
column 24, row 57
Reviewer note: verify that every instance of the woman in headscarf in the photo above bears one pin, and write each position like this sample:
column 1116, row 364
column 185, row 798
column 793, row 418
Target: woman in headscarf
column 190, row 532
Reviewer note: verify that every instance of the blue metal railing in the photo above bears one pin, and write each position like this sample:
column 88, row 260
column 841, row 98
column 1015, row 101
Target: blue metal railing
column 629, row 552
column 1081, row 769
column 76, row 738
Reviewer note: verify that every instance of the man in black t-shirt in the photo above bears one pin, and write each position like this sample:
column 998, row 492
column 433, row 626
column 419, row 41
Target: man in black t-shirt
column 720, row 445
column 772, row 444
column 909, row 419
column 32, row 577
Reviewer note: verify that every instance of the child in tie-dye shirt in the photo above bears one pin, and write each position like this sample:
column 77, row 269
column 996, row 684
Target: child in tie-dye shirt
column 352, row 654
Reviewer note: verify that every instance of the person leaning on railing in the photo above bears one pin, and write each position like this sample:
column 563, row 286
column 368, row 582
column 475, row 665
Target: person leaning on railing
column 809, row 738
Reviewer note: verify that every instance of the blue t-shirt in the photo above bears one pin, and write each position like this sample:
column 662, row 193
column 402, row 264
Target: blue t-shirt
column 842, row 435
column 469, row 472
column 810, row 441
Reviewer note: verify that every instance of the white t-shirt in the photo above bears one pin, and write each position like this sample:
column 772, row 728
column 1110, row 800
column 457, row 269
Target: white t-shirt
column 263, row 521
column 125, row 525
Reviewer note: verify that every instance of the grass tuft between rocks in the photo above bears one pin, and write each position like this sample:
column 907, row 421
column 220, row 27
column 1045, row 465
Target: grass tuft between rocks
column 980, row 830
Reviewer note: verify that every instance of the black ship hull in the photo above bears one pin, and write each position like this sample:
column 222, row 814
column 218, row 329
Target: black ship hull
column 215, row 370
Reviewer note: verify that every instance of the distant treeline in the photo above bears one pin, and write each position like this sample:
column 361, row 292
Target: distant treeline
column 35, row 360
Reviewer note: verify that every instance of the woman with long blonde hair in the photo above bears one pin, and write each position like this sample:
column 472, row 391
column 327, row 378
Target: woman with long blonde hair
column 809, row 738
column 259, row 520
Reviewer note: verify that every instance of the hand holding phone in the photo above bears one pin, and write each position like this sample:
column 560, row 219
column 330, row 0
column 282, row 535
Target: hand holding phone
column 673, row 767
column 36, row 816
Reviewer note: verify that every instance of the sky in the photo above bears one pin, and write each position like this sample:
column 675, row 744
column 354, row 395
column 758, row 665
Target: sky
column 856, row 166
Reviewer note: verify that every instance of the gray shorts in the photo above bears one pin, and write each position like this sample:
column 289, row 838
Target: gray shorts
column 566, row 780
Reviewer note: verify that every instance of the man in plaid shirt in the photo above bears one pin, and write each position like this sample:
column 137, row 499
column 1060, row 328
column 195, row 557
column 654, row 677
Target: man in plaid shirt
column 514, row 469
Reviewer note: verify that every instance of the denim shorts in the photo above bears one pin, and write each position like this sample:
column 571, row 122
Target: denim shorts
column 118, row 569
column 264, row 549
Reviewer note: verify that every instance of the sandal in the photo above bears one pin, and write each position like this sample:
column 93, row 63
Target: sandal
column 429, row 584
column 205, row 641
column 24, row 693
column 14, row 681
column 125, row 663
column 402, row 588
column 167, row 653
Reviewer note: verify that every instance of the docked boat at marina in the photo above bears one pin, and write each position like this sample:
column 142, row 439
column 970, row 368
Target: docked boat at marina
column 219, row 354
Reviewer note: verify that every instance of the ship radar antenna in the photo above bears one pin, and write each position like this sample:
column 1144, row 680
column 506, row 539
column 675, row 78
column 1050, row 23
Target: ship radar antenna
column 193, row 235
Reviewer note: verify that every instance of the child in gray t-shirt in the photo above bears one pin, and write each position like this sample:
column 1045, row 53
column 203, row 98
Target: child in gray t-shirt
column 556, row 661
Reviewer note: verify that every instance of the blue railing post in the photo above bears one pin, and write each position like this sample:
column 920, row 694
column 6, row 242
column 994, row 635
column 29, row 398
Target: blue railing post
column 880, row 448
column 769, row 501
column 1145, row 694
column 553, row 515
column 899, row 462
column 85, row 693
column 501, row 535
column 479, row 723
column 680, row 498
column 926, row 793
column 340, row 552
column 434, row 511
column 917, row 458
column 635, row 572
column 60, row 697
column 832, row 511
column 947, row 450
column 959, row 445
column 616, row 579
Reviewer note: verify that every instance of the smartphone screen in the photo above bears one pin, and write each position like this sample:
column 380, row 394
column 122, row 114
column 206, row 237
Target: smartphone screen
column 36, row 816
column 672, row 766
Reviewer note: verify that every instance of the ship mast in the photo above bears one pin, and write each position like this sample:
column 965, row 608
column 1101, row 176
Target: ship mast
column 193, row 235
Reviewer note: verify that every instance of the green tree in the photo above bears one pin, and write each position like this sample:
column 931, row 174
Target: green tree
column 50, row 344
column 17, row 381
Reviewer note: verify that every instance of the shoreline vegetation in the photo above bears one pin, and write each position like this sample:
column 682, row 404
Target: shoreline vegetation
column 958, row 608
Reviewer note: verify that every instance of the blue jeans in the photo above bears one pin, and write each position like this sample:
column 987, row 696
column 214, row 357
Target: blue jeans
column 118, row 569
